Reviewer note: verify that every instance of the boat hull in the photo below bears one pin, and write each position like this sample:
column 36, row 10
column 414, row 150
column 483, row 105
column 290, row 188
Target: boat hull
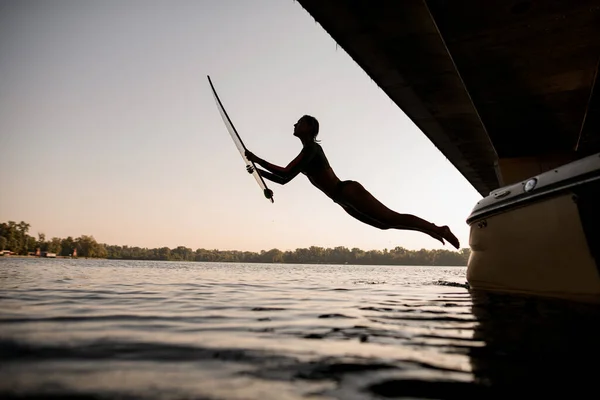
column 542, row 242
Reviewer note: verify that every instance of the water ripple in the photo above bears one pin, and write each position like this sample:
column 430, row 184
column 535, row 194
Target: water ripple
column 154, row 330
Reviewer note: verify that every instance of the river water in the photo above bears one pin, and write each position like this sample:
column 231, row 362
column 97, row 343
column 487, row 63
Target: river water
column 104, row 329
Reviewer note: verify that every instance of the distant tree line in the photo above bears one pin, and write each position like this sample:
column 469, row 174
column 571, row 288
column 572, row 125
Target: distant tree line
column 15, row 237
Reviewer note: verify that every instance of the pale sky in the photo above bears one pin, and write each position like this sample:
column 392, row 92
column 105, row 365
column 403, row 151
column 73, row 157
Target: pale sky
column 108, row 128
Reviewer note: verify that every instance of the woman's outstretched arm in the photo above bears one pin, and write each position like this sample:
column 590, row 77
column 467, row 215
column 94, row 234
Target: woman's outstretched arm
column 280, row 174
column 270, row 176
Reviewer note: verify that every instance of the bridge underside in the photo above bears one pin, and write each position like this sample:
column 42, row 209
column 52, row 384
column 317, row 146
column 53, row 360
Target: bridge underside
column 504, row 89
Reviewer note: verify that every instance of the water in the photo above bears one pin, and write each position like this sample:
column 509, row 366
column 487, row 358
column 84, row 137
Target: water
column 166, row 330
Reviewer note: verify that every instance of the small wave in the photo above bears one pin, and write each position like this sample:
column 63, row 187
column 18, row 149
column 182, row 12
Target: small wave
column 11, row 350
column 376, row 309
column 112, row 318
column 452, row 284
column 334, row 316
column 267, row 309
column 363, row 282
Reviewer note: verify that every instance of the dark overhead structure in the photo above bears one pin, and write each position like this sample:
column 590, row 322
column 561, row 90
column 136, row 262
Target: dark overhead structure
column 504, row 89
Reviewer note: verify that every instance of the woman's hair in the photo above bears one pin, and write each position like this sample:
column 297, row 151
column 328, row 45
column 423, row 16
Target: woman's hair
column 314, row 124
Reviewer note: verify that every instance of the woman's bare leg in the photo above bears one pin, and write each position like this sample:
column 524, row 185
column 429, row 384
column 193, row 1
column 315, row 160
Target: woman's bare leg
column 370, row 221
column 356, row 197
column 364, row 218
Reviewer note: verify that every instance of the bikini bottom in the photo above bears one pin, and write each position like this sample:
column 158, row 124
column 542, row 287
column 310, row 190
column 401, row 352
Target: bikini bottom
column 337, row 192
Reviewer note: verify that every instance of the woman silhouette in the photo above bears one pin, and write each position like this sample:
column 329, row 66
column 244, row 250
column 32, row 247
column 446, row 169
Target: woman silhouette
column 350, row 195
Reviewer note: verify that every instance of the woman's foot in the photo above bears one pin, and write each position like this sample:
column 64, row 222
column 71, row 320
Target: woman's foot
column 447, row 234
column 437, row 237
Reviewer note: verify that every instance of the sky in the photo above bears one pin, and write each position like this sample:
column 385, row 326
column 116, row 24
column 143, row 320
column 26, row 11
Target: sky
column 108, row 128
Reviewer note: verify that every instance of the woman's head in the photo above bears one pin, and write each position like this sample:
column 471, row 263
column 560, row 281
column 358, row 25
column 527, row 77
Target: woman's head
column 307, row 127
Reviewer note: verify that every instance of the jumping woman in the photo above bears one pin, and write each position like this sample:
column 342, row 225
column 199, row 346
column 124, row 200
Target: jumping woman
column 350, row 195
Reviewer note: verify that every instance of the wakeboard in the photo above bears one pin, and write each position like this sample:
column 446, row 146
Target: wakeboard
column 240, row 144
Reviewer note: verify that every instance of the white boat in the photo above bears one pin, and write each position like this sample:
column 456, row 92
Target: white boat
column 540, row 236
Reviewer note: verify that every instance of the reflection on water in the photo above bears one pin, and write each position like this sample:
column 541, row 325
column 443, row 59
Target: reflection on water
column 545, row 345
column 156, row 330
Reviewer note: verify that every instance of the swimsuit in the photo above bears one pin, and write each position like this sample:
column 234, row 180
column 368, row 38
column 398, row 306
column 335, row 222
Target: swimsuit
column 315, row 161
column 337, row 192
column 311, row 163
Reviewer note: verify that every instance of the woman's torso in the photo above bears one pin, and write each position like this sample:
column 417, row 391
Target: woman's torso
column 318, row 171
